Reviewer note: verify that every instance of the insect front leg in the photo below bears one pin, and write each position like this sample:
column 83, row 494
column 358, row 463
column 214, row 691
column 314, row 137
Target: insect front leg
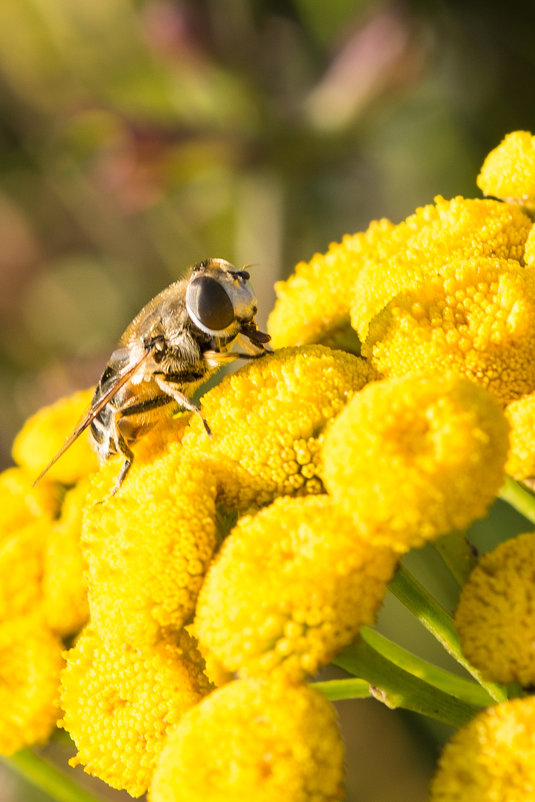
column 221, row 357
column 239, row 355
column 182, row 400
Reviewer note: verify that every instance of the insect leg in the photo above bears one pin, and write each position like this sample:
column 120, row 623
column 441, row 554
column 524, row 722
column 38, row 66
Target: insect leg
column 182, row 400
column 238, row 355
column 144, row 406
column 128, row 455
column 120, row 442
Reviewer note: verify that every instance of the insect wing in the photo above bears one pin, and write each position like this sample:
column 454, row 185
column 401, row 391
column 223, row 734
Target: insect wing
column 97, row 407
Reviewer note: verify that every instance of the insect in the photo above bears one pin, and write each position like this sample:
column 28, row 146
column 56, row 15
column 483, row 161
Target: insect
column 175, row 343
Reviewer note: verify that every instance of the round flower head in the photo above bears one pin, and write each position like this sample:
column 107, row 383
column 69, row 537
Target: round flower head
column 290, row 587
column 267, row 418
column 477, row 318
column 149, row 546
column 44, row 434
column 30, row 657
column 413, row 458
column 20, row 503
column 521, row 417
column 492, row 758
column 508, row 172
column 313, row 304
column 120, row 703
column 253, row 740
column 64, row 583
column 416, row 250
column 21, row 568
column 496, row 613
column 529, row 250
column 25, row 525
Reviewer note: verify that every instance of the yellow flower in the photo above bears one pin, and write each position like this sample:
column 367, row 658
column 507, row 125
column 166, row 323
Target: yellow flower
column 30, row 660
column 496, row 613
column 508, row 172
column 290, row 587
column 25, row 525
column 41, row 562
column 267, row 420
column 65, row 603
column 313, row 304
column 490, row 759
column 529, row 250
column 416, row 250
column 477, row 318
column 521, row 417
column 149, row 546
column 413, row 458
column 21, row 568
column 253, row 740
column 20, row 503
column 44, row 434
column 120, row 703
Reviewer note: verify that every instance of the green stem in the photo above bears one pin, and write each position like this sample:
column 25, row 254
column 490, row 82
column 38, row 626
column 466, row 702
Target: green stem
column 337, row 689
column 519, row 498
column 47, row 777
column 464, row 689
column 458, row 555
column 437, row 621
column 395, row 687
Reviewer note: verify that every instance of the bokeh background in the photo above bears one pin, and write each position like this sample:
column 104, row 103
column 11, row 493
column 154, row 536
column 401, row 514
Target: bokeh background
column 140, row 136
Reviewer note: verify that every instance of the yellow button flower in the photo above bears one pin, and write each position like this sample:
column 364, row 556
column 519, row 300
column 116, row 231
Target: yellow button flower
column 313, row 304
column 267, row 420
column 416, row 250
column 44, row 434
column 120, row 703
column 413, row 458
column 529, row 250
column 149, row 546
column 508, row 172
column 30, row 660
column 496, row 613
column 490, row 758
column 25, row 525
column 65, row 603
column 20, row 503
column 521, row 417
column 290, row 587
column 21, row 568
column 253, row 740
column 477, row 318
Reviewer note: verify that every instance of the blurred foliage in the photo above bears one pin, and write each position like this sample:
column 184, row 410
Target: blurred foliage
column 139, row 136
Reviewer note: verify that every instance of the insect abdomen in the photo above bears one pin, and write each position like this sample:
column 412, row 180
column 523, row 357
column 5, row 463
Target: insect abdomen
column 102, row 428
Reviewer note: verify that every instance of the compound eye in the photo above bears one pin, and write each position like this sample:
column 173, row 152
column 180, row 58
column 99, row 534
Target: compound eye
column 209, row 304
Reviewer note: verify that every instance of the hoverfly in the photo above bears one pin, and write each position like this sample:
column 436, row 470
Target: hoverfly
column 174, row 344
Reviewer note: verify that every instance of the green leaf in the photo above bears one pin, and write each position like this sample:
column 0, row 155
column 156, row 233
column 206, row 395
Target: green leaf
column 47, row 777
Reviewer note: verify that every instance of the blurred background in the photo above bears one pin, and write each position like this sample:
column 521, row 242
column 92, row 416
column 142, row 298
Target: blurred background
column 140, row 136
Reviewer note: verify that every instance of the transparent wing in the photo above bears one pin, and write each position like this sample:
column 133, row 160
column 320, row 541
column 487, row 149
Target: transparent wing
column 95, row 408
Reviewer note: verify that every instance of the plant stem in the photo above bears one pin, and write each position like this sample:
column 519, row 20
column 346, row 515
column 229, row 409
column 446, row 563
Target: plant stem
column 458, row 555
column 437, row 621
column 337, row 689
column 395, row 687
column 519, row 498
column 464, row 689
column 47, row 777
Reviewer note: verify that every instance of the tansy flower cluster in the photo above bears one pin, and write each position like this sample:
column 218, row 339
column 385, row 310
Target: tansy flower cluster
column 172, row 628
column 496, row 612
column 491, row 757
